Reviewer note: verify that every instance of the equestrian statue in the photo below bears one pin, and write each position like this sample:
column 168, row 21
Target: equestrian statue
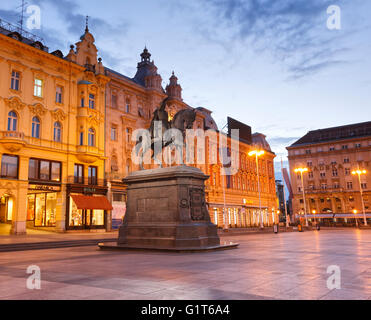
column 182, row 121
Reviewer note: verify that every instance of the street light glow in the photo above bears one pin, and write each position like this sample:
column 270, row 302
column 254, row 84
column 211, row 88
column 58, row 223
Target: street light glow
column 256, row 153
column 359, row 172
column 301, row 170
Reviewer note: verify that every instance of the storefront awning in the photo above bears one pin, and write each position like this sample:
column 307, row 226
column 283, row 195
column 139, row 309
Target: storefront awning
column 91, row 203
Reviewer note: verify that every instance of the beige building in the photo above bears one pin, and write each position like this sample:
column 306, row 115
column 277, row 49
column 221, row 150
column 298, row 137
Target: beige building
column 331, row 156
column 52, row 128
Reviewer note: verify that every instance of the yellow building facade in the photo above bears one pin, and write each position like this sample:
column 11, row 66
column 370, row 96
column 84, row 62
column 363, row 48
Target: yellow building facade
column 51, row 136
column 332, row 190
column 66, row 131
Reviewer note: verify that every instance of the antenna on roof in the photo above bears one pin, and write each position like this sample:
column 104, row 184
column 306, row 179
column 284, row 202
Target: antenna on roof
column 21, row 19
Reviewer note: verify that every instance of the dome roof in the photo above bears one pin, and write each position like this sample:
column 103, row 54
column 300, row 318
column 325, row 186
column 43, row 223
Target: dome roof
column 258, row 139
column 209, row 122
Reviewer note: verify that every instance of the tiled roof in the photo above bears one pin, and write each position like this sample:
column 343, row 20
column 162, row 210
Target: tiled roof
column 108, row 70
column 351, row 131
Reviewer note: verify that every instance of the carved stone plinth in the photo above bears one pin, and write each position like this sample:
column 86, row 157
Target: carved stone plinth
column 166, row 210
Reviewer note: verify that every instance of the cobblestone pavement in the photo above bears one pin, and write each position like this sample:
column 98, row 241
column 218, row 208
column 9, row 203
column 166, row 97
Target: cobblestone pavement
column 266, row 266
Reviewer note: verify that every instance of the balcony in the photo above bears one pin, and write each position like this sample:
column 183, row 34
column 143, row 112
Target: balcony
column 88, row 154
column 12, row 141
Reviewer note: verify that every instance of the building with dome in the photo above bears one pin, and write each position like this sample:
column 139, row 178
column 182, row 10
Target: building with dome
column 66, row 140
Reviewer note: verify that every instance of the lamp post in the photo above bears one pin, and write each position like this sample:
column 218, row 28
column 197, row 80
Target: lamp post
column 301, row 171
column 355, row 211
column 359, row 173
column 257, row 154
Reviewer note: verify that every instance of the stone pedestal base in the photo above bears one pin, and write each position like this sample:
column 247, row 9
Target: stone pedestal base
column 166, row 209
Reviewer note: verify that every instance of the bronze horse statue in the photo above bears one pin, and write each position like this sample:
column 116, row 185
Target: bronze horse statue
column 182, row 121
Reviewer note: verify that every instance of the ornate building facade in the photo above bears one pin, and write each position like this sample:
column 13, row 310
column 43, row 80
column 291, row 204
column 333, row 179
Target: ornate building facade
column 331, row 156
column 52, row 128
column 66, row 141
column 233, row 201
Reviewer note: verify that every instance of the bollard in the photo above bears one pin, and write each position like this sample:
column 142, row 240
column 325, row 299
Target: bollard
column 275, row 228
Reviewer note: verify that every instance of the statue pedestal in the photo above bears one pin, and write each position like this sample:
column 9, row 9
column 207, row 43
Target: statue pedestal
column 166, row 210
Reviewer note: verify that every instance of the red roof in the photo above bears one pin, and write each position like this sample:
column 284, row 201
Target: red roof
column 91, row 203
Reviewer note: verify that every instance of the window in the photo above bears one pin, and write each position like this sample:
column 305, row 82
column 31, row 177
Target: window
column 38, row 88
column 344, row 147
column 333, row 163
column 91, row 137
column 79, row 173
column 364, row 185
column 57, row 132
column 336, row 185
column 81, row 138
column 308, row 151
column 56, row 171
column 346, row 160
column 9, row 166
column 358, row 145
column 93, row 175
column 323, row 186
column 334, row 173
column 91, row 101
column 347, row 171
column 35, row 127
column 310, row 174
column 114, row 101
column 82, row 103
column 58, row 94
column 33, row 169
column 14, row 84
column 44, row 170
column 127, row 107
column 332, row 149
column 322, row 174
column 309, row 164
column 12, row 121
column 113, row 134
column 349, row 185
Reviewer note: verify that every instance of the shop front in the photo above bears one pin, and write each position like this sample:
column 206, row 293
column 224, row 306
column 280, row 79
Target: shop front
column 87, row 208
column 42, row 205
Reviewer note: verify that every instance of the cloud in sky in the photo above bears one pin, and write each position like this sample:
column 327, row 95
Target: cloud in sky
column 292, row 31
column 234, row 57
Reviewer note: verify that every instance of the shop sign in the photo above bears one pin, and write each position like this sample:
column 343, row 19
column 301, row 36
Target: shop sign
column 46, row 188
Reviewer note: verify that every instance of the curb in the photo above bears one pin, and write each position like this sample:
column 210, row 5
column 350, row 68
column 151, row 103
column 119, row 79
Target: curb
column 52, row 245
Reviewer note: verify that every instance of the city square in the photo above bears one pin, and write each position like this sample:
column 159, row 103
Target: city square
column 236, row 167
column 289, row 265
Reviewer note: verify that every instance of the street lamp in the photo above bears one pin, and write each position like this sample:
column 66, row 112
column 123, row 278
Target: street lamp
column 359, row 173
column 301, row 171
column 257, row 154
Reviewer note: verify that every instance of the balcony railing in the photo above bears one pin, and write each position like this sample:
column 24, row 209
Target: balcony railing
column 12, row 135
column 324, row 190
column 86, row 181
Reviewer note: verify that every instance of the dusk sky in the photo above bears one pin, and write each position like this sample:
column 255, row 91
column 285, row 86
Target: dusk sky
column 273, row 65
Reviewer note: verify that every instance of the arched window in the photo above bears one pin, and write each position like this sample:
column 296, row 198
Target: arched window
column 12, row 121
column 57, row 132
column 35, row 127
column 91, row 137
